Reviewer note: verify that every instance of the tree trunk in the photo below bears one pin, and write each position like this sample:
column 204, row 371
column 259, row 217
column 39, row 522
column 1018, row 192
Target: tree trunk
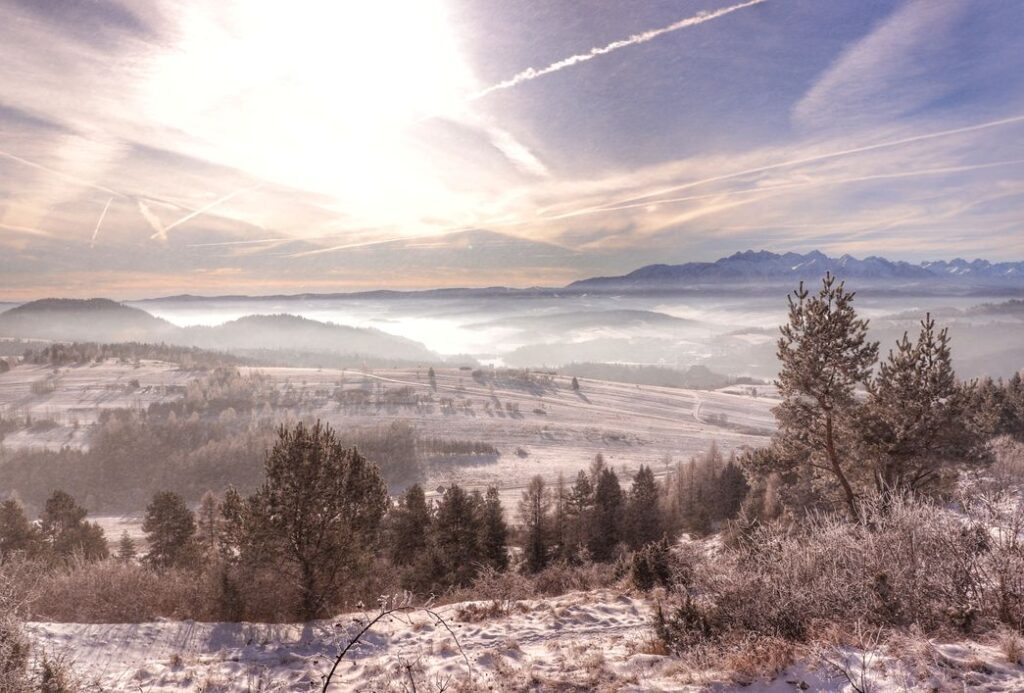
column 310, row 599
column 833, row 458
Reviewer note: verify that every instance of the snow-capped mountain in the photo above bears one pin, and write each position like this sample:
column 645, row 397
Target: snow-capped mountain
column 752, row 266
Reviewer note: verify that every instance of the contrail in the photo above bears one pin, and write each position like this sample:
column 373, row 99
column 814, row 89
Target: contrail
column 103, row 214
column 162, row 233
column 25, row 229
column 532, row 73
column 797, row 162
column 59, row 174
column 800, row 185
column 152, row 219
column 258, row 241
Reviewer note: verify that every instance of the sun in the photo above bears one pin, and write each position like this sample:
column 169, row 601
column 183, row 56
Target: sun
column 320, row 96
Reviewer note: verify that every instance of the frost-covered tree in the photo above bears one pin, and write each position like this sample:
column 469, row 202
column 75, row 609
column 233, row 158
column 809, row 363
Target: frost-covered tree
column 824, row 355
column 318, row 513
column 915, row 425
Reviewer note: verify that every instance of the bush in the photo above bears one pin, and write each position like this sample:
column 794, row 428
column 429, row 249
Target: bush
column 910, row 563
column 115, row 592
column 651, row 566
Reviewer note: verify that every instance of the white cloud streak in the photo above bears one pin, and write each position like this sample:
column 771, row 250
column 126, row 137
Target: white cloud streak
column 99, row 222
column 817, row 158
column 532, row 73
column 161, row 234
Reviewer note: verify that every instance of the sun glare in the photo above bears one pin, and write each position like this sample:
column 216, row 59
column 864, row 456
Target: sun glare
column 318, row 96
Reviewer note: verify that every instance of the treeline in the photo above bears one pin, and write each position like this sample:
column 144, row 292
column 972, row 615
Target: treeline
column 134, row 455
column 61, row 355
column 321, row 534
column 216, row 436
column 694, row 377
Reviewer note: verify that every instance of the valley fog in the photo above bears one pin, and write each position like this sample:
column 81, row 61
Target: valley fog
column 731, row 332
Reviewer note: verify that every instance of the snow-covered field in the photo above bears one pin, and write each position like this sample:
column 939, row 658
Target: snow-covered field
column 546, row 427
column 583, row 641
column 64, row 402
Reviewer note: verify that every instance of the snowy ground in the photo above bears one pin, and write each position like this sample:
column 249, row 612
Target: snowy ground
column 577, row 642
column 551, row 428
column 73, row 398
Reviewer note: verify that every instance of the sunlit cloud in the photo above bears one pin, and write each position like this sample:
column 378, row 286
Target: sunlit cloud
column 179, row 142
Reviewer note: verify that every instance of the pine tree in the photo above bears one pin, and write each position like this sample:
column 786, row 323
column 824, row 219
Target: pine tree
column 607, row 525
column 579, row 507
column 410, row 526
column 533, row 511
column 170, row 529
column 432, row 377
column 457, row 536
column 914, row 426
column 17, row 534
column 575, row 384
column 125, row 548
column 65, row 531
column 494, row 531
column 643, row 515
column 318, row 512
column 208, row 524
column 560, row 518
column 824, row 355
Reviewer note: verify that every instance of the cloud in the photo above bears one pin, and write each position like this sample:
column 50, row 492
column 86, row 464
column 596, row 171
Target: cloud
column 532, row 73
column 899, row 67
column 99, row 222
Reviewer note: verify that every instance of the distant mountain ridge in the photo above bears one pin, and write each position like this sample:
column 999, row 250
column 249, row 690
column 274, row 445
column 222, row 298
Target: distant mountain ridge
column 750, row 265
column 103, row 320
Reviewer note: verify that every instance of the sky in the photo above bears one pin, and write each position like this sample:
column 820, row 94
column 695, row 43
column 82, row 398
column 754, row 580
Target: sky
column 156, row 147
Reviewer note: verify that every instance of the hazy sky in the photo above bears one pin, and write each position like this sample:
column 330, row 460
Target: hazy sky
column 214, row 146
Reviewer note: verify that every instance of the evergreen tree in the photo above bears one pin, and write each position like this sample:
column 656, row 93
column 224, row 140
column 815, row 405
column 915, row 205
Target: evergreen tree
column 170, row 529
column 17, row 534
column 318, row 512
column 915, row 425
column 607, row 525
column 410, row 527
column 125, row 548
column 579, row 506
column 533, row 511
column 824, row 355
column 208, row 524
column 494, row 531
column 235, row 527
column 66, row 532
column 643, row 516
column 575, row 384
column 560, row 518
column 732, row 490
column 457, row 536
column 432, row 377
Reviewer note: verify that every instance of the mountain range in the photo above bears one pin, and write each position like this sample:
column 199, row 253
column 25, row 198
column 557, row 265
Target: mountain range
column 761, row 266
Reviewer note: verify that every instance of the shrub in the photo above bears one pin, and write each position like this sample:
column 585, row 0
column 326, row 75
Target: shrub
column 651, row 566
column 910, row 563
